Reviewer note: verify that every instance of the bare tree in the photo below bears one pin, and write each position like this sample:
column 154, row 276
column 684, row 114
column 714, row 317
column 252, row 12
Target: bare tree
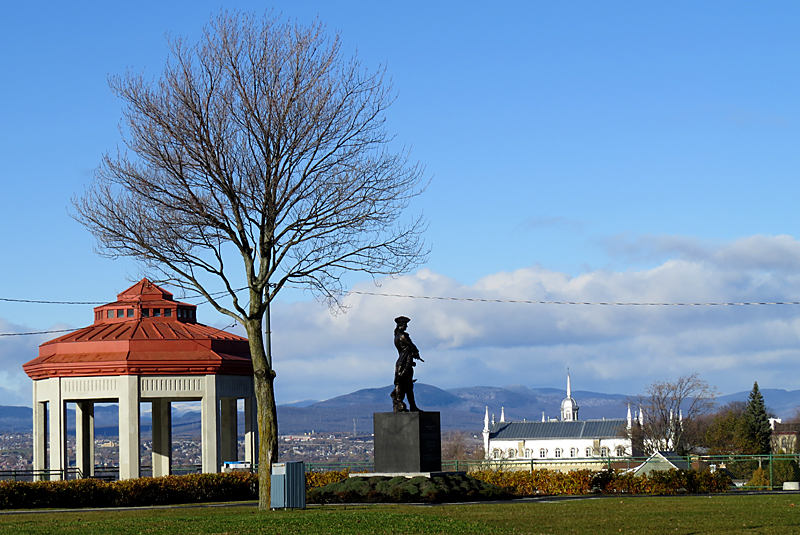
column 459, row 445
column 669, row 411
column 258, row 159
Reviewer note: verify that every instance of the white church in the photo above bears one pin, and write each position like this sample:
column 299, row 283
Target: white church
column 567, row 439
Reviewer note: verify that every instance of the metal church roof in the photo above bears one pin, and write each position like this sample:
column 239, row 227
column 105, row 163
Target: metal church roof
column 533, row 430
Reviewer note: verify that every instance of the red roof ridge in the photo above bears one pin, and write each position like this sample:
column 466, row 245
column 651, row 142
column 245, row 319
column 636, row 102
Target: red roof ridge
column 144, row 287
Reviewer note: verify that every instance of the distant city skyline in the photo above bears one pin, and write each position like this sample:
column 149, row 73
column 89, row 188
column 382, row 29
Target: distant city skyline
column 578, row 152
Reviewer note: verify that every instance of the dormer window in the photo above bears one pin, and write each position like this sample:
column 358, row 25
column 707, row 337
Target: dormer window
column 145, row 312
column 168, row 312
column 130, row 312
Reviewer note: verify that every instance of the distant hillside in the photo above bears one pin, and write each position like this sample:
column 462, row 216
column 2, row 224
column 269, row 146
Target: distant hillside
column 338, row 414
column 16, row 419
column 460, row 408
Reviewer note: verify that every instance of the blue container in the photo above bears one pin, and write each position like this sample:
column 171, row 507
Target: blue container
column 288, row 485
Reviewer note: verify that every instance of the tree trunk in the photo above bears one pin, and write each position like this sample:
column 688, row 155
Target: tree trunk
column 264, row 378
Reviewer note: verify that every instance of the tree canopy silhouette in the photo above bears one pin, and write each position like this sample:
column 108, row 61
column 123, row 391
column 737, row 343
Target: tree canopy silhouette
column 257, row 159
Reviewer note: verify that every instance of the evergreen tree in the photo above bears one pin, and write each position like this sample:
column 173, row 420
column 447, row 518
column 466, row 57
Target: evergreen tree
column 757, row 431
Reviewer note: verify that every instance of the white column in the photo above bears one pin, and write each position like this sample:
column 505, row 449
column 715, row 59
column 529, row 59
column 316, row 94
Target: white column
column 39, row 430
column 162, row 437
column 250, row 431
column 58, row 429
column 128, row 426
column 84, row 437
column 210, row 426
column 228, row 430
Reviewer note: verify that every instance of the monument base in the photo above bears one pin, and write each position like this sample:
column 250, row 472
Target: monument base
column 407, row 442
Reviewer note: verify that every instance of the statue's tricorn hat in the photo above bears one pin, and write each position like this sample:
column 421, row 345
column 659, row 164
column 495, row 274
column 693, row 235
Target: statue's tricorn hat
column 401, row 319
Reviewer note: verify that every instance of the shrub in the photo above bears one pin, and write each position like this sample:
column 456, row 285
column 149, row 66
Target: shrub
column 132, row 492
column 760, row 478
column 548, row 482
column 381, row 489
column 186, row 489
column 320, row 479
column 337, row 487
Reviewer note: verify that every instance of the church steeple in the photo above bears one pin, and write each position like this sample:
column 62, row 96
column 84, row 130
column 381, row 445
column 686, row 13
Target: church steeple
column 569, row 386
column 486, row 433
column 569, row 407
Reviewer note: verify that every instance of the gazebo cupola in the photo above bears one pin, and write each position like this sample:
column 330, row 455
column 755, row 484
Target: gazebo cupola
column 145, row 300
column 143, row 347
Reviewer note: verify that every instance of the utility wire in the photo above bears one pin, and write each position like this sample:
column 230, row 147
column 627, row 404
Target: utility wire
column 52, row 302
column 468, row 299
column 42, row 332
column 435, row 298
column 599, row 303
column 223, row 329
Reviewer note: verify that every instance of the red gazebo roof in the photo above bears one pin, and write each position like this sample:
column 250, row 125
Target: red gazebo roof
column 143, row 332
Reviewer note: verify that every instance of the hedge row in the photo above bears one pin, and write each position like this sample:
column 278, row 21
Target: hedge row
column 243, row 486
column 320, row 479
column 447, row 488
column 128, row 493
column 550, row 482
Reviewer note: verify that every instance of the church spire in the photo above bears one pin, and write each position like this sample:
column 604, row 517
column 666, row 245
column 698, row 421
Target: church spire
column 569, row 407
column 569, row 386
column 486, row 433
column 630, row 418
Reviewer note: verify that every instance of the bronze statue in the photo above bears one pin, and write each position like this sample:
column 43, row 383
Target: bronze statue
column 404, row 367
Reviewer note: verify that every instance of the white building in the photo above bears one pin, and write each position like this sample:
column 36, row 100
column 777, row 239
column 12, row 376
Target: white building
column 557, row 440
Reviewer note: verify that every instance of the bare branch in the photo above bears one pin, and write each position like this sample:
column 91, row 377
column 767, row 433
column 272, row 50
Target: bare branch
column 257, row 158
column 668, row 411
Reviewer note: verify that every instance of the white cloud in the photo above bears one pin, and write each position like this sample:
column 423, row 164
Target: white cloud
column 607, row 348
column 15, row 386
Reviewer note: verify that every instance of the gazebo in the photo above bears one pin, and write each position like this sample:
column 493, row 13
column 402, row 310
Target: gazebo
column 143, row 347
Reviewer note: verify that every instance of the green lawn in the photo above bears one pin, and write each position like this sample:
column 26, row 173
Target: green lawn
column 685, row 514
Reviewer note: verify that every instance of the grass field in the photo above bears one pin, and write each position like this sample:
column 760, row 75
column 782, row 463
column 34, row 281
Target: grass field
column 775, row 513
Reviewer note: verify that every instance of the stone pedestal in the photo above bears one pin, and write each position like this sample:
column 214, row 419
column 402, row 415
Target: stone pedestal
column 407, row 442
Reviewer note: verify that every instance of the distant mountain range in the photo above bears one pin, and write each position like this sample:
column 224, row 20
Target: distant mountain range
column 460, row 408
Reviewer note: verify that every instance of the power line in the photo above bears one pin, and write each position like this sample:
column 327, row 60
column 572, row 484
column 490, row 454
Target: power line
column 39, row 302
column 598, row 303
column 223, row 329
column 445, row 298
column 42, row 332
column 435, row 298
column 51, row 302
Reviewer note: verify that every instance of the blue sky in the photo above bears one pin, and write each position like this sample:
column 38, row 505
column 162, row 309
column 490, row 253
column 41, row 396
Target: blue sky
column 582, row 151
